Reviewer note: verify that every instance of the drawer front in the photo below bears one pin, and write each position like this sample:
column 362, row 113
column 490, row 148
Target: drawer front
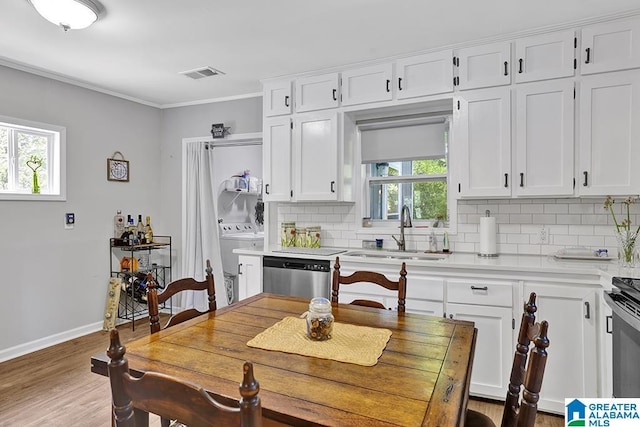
column 418, row 287
column 480, row 292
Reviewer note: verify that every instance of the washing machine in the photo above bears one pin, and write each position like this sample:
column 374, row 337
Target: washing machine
column 236, row 236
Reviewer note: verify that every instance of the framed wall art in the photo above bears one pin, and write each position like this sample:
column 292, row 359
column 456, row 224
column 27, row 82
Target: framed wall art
column 117, row 168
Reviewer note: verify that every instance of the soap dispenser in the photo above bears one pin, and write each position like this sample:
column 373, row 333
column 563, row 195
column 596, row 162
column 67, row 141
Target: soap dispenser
column 433, row 243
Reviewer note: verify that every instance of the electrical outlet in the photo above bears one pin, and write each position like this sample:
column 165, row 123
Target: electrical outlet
column 543, row 236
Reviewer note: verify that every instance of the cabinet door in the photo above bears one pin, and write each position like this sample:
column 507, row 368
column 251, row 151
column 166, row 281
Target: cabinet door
column 276, row 160
column 609, row 134
column 369, row 84
column 277, row 99
column 482, row 121
column 544, row 139
column 249, row 276
column 422, row 75
column 571, row 368
column 316, row 156
column 544, row 57
column 610, row 46
column 317, row 92
column 494, row 347
column 484, row 66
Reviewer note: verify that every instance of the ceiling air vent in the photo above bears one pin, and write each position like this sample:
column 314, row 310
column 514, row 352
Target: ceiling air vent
column 200, row 73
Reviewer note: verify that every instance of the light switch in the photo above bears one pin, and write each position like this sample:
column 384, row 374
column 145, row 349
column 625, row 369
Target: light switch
column 69, row 220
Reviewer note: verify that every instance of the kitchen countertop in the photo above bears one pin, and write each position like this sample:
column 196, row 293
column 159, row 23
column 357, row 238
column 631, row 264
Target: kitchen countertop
column 535, row 264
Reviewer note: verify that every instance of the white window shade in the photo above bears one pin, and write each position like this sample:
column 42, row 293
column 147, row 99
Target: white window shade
column 396, row 142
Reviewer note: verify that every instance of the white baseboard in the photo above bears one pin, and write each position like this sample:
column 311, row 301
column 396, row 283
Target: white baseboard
column 39, row 344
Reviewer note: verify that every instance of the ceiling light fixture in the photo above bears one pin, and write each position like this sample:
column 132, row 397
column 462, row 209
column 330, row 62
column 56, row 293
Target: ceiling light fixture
column 68, row 14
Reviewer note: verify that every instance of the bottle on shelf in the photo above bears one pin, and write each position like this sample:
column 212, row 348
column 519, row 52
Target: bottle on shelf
column 140, row 230
column 133, row 238
column 148, row 231
column 118, row 225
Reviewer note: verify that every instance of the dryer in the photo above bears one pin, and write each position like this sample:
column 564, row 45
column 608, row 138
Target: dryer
column 236, row 236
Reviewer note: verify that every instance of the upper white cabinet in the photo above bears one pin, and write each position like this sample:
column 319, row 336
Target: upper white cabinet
column 482, row 131
column 609, row 134
column 368, row 84
column 610, row 46
column 276, row 159
column 544, row 139
column 544, row 57
column 277, row 99
column 317, row 92
column 423, row 75
column 484, row 66
column 315, row 157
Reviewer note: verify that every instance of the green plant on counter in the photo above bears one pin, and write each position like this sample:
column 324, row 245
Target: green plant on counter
column 624, row 233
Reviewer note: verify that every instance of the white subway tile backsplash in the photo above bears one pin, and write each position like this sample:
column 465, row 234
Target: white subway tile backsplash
column 569, row 222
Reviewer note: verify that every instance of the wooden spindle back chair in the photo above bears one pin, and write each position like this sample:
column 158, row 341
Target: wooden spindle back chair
column 155, row 299
column 174, row 399
column 370, row 277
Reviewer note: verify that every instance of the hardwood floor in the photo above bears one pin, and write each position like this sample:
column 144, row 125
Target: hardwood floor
column 55, row 387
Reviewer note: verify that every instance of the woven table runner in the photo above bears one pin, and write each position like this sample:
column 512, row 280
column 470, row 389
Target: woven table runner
column 360, row 345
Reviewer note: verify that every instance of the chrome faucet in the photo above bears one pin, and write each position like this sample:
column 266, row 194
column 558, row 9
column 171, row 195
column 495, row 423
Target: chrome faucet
column 405, row 221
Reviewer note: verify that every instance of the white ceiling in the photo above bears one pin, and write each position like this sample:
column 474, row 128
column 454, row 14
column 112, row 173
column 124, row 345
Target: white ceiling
column 138, row 47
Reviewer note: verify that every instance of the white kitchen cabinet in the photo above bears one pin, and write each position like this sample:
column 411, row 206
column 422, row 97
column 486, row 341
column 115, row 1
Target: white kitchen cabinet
column 367, row 84
column 423, row 75
column 572, row 364
column 482, row 131
column 276, row 159
column 610, row 46
column 315, row 156
column 425, row 293
column 609, row 133
column 249, row 276
column 544, row 142
column 545, row 56
column 277, row 99
column 484, row 66
column 317, row 92
column 489, row 305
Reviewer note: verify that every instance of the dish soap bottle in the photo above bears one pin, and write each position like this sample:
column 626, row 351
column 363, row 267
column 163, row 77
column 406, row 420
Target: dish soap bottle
column 433, row 243
column 445, row 243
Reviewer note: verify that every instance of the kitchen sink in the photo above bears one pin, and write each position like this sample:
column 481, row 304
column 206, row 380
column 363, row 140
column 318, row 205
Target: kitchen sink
column 414, row 255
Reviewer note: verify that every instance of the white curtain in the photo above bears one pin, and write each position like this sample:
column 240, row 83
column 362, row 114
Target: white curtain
column 200, row 240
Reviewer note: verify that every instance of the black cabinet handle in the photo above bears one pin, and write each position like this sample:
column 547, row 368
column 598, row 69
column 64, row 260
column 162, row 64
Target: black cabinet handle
column 520, row 69
column 609, row 328
column 388, row 87
column 333, row 184
column 239, row 269
column 399, row 83
column 506, row 180
column 586, row 179
column 286, row 101
column 587, row 306
column 335, row 93
column 479, row 288
column 521, row 179
column 506, row 68
column 588, row 50
column 266, row 188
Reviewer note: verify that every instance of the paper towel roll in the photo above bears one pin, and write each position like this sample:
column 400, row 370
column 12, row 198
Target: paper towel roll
column 488, row 236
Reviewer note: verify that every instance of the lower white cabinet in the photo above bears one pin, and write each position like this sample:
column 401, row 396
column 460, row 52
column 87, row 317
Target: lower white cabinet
column 249, row 276
column 489, row 305
column 571, row 369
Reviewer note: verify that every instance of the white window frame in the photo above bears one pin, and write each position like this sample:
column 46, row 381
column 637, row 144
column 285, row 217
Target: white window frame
column 391, row 226
column 56, row 159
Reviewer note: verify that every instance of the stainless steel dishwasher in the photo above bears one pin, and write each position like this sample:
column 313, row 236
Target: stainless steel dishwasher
column 306, row 278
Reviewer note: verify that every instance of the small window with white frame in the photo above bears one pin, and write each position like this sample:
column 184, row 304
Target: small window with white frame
column 405, row 162
column 31, row 160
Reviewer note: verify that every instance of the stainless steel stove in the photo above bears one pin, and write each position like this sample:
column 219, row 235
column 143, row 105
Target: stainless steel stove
column 625, row 329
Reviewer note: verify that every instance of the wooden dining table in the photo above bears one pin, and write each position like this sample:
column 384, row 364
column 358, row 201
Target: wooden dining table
column 421, row 378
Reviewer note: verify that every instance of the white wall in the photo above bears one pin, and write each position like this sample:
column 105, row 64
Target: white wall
column 54, row 280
